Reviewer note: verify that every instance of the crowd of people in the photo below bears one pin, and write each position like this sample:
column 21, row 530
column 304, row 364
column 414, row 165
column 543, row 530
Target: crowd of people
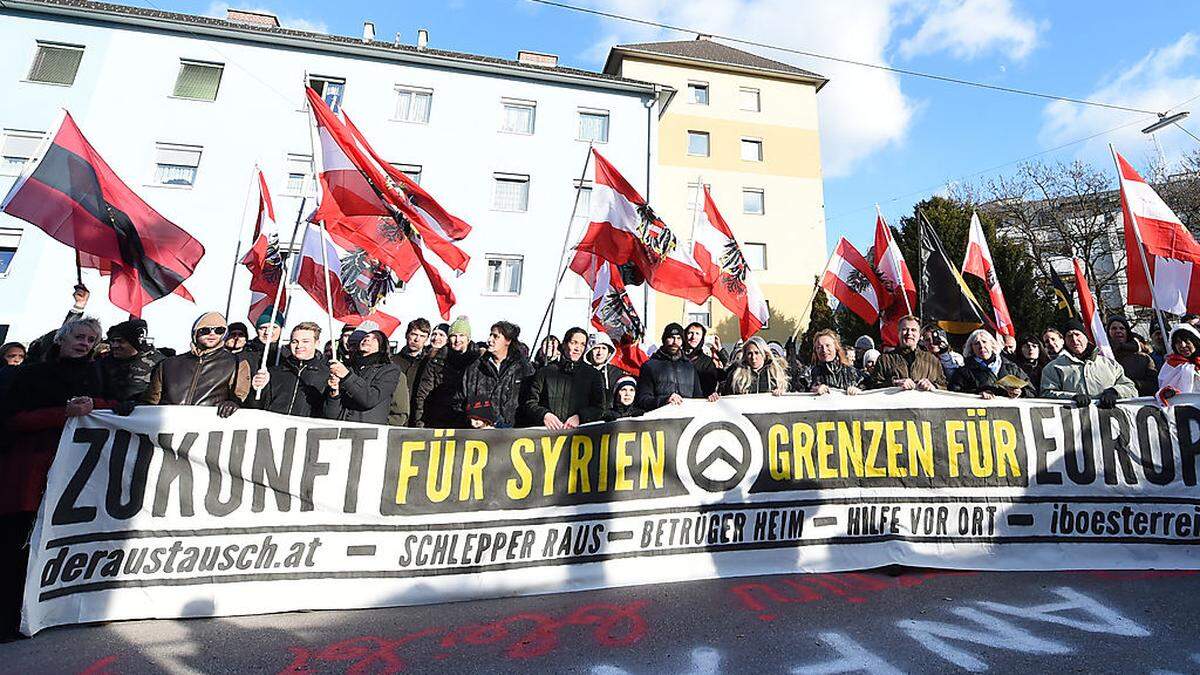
column 440, row 378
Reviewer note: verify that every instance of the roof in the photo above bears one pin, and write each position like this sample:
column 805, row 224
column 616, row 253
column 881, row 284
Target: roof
column 705, row 51
column 350, row 46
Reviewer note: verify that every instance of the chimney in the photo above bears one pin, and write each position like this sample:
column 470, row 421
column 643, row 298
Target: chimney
column 422, row 39
column 396, row 42
column 537, row 59
column 253, row 18
column 368, row 31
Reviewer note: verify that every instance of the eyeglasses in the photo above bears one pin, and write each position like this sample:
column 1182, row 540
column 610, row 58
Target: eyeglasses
column 210, row 330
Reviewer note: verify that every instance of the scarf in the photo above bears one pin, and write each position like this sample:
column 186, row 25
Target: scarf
column 993, row 365
column 1177, row 360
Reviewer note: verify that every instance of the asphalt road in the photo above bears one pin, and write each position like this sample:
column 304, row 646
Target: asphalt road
column 917, row 622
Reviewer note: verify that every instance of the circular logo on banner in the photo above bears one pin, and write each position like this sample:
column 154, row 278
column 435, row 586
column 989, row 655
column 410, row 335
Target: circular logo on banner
column 718, row 456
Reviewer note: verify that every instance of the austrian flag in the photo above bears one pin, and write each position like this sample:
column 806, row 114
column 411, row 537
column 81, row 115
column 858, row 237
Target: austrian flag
column 849, row 278
column 718, row 255
column 264, row 259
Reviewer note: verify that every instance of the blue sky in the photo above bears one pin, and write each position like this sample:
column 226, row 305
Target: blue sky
column 886, row 139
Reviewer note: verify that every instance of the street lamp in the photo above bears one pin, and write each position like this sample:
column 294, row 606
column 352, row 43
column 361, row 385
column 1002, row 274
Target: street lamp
column 1165, row 121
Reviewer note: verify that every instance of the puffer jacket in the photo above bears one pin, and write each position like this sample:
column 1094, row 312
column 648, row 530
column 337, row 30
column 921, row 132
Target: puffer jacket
column 199, row 378
column 365, row 394
column 1138, row 367
column 483, row 380
column 975, row 377
column 1091, row 374
column 128, row 379
column 664, row 375
column 296, row 387
column 913, row 364
column 564, row 388
column 835, row 375
column 436, row 388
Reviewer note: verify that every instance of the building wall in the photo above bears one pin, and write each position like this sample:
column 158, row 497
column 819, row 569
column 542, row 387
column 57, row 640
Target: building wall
column 121, row 98
column 792, row 224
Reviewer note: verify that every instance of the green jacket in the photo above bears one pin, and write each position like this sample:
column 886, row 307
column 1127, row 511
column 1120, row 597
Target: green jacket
column 1068, row 375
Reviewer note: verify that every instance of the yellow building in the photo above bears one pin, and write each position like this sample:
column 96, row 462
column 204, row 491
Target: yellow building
column 747, row 127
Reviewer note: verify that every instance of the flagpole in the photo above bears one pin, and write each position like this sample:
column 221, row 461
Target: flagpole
column 561, row 269
column 329, row 294
column 812, row 298
column 237, row 252
column 921, row 292
column 1137, row 233
column 899, row 273
column 283, row 279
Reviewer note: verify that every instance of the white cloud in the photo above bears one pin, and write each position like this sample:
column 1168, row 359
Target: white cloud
column 862, row 110
column 217, row 10
column 968, row 28
column 1163, row 78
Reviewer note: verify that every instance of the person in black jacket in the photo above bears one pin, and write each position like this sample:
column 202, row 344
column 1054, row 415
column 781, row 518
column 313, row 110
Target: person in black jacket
column 985, row 366
column 566, row 393
column 1029, row 357
column 364, row 394
column 494, row 380
column 297, row 385
column 759, row 372
column 831, row 368
column 125, row 370
column 668, row 377
column 441, row 379
column 711, row 374
column 624, row 397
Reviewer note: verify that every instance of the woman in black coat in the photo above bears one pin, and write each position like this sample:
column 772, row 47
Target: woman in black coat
column 363, row 393
column 983, row 368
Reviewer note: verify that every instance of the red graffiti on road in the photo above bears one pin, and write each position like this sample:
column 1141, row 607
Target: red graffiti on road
column 525, row 635
column 855, row 588
column 100, row 667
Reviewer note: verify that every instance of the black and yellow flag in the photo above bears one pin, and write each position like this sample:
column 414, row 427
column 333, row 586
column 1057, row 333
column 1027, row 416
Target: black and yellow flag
column 1064, row 299
column 946, row 298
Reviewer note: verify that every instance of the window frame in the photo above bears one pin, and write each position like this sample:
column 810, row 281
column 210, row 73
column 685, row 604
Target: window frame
column 506, row 274
column 313, row 188
column 409, row 169
column 499, row 177
column 747, row 246
column 690, row 316
column 530, row 105
column 183, row 63
column 762, row 152
column 595, row 112
column 694, row 86
column 5, row 134
column 707, row 143
column 757, row 99
column 413, row 91
column 10, row 239
column 325, row 79
column 762, row 201
column 50, row 44
column 178, row 147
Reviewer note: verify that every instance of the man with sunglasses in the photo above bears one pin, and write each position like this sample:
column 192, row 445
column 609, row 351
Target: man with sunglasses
column 207, row 375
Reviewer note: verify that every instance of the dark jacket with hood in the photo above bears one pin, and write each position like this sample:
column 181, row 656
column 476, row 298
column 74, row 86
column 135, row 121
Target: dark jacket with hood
column 128, row 379
column 437, row 386
column 710, row 375
column 200, row 377
column 664, row 375
column 976, row 377
column 296, row 387
column 502, row 386
column 365, row 394
column 564, row 388
column 1138, row 367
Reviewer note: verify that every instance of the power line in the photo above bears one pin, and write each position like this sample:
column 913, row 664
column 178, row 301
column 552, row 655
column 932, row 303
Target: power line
column 837, row 59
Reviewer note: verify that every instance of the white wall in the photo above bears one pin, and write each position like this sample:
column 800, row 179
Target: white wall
column 121, row 100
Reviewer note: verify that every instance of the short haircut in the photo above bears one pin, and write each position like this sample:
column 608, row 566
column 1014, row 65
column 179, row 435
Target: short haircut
column 697, row 324
column 421, row 324
column 1054, row 330
column 308, row 325
column 571, row 332
column 909, row 317
column 86, row 322
column 509, row 330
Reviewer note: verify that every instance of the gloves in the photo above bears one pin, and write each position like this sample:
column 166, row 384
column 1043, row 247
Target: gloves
column 124, row 408
column 1108, row 398
column 1082, row 400
column 227, row 408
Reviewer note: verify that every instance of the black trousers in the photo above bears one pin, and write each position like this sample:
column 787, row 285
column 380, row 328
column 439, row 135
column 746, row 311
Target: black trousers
column 15, row 529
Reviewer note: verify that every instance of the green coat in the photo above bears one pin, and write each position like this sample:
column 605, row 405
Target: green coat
column 1068, row 375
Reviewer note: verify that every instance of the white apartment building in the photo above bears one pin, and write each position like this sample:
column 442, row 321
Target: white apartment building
column 183, row 107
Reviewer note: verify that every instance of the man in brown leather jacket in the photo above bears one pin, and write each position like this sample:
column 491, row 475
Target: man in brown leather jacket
column 208, row 375
column 909, row 367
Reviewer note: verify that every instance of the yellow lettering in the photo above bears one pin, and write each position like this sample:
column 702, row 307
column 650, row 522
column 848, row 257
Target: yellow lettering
column 654, row 451
column 437, row 455
column 408, row 470
column 872, row 469
column 802, row 451
column 551, row 451
column 850, row 448
column 954, row 447
column 825, row 450
column 602, row 481
column 514, row 488
column 777, row 460
column 624, row 460
column 920, row 450
column 474, row 460
column 894, row 447
column 581, row 454
column 1006, row 447
column 980, row 448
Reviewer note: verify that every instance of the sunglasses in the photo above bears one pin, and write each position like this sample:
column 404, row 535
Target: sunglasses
column 210, row 330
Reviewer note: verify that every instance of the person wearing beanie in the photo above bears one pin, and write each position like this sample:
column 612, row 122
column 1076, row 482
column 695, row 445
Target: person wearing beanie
column 1180, row 373
column 1138, row 366
column 1080, row 373
column 624, row 398
column 566, row 393
column 668, row 377
column 869, row 359
column 441, row 378
column 207, row 375
column 367, row 389
column 125, row 370
column 439, row 336
column 236, row 338
column 599, row 356
column 268, row 330
column 862, row 345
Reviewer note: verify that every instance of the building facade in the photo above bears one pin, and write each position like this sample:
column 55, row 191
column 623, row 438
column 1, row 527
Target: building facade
column 183, row 107
column 746, row 126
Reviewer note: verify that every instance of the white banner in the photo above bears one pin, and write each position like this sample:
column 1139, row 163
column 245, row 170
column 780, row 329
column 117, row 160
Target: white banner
column 173, row 512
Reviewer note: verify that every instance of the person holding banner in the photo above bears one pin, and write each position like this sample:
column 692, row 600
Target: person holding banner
column 1180, row 373
column 297, row 385
column 907, row 366
column 987, row 372
column 207, row 375
column 831, row 368
column 759, row 372
column 1138, row 367
column 668, row 377
column 1080, row 373
column 127, row 367
column 493, row 381
column 568, row 392
column 364, row 393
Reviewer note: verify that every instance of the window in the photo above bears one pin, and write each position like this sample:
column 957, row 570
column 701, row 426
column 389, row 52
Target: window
column 300, row 181
column 19, row 147
column 518, row 116
column 55, row 63
column 698, row 93
column 577, row 286
column 752, row 201
column 412, row 104
column 504, row 274
column 695, row 198
column 752, row 150
column 330, row 89
column 755, row 255
column 701, row 314
column 698, row 143
column 593, row 126
column 198, row 80
column 177, row 164
column 413, row 171
column 511, row 192
column 749, row 99
column 10, row 239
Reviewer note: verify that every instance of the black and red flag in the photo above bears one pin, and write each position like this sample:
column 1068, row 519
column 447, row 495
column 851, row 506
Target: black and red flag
column 71, row 194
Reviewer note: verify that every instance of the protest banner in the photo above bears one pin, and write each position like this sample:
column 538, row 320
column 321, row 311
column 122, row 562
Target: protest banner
column 173, row 512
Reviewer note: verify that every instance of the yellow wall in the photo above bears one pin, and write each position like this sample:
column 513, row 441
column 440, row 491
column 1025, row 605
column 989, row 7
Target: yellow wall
column 793, row 223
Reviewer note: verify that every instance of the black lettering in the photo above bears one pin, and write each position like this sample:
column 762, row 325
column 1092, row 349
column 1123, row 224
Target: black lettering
column 313, row 468
column 65, row 511
column 216, row 473
column 358, row 437
column 116, row 475
column 176, row 468
column 1081, row 463
column 54, row 565
column 1114, row 446
column 1043, row 446
column 265, row 473
column 1163, row 471
column 1187, row 429
column 391, row 474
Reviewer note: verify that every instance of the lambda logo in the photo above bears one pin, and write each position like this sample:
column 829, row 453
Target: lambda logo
column 719, row 456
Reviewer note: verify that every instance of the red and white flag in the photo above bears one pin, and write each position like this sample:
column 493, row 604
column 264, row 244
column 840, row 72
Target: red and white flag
column 264, row 259
column 900, row 293
column 849, row 278
column 1172, row 253
column 612, row 310
column 1091, row 318
column 314, row 273
column 979, row 263
column 624, row 229
column 731, row 282
column 376, row 320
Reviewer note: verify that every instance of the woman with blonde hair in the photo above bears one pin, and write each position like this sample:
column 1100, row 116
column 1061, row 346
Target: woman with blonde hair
column 758, row 371
column 832, row 368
